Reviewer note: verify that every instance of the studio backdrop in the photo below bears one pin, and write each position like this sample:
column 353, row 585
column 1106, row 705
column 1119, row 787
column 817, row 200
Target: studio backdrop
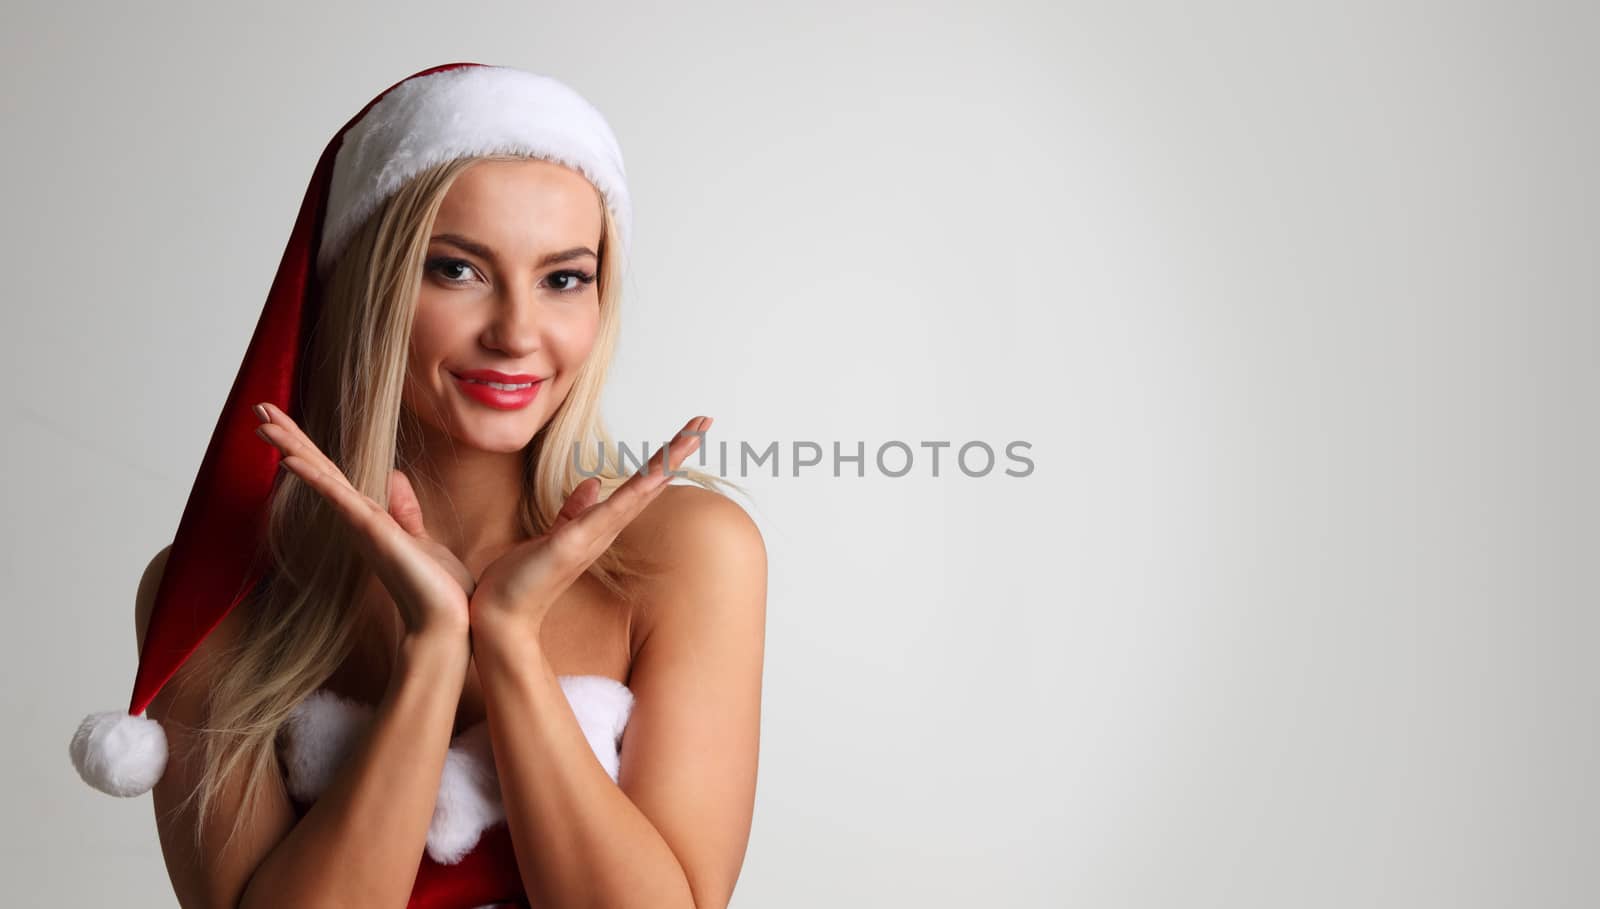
column 1172, row 427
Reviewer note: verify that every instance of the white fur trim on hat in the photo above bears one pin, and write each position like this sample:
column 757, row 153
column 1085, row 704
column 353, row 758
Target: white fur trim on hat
column 455, row 113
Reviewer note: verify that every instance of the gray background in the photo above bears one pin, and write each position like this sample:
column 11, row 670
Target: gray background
column 1296, row 304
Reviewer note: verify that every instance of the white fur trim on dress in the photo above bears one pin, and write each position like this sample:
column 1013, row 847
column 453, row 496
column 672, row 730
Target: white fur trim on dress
column 325, row 728
column 602, row 706
column 469, row 111
column 119, row 753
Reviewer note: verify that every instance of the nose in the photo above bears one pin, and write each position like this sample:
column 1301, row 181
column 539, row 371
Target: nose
column 514, row 328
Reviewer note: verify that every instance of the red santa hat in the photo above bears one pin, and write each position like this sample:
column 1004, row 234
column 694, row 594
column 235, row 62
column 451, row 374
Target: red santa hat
column 438, row 114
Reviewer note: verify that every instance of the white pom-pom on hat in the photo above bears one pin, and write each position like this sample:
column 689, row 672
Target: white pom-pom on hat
column 119, row 753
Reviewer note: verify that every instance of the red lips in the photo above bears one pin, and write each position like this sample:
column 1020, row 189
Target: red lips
column 498, row 398
column 490, row 375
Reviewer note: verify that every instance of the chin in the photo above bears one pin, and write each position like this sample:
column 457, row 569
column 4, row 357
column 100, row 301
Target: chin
column 501, row 442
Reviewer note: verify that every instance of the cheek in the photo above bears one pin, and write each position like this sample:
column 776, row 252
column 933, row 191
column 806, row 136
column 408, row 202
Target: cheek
column 574, row 337
column 432, row 338
column 430, row 334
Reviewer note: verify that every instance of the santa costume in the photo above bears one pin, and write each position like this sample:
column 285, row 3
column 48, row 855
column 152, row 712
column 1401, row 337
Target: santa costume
column 217, row 557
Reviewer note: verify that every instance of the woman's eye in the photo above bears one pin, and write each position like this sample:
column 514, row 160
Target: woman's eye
column 575, row 280
column 446, row 268
column 458, row 271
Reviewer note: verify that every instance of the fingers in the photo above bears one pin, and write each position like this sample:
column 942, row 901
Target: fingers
column 670, row 457
column 585, row 495
column 403, row 505
column 285, row 435
column 600, row 524
column 305, row 460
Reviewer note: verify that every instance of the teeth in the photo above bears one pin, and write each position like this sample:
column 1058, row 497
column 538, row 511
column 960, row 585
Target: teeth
column 501, row 385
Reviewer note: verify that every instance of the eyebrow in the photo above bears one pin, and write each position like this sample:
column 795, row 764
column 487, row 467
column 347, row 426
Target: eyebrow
column 478, row 249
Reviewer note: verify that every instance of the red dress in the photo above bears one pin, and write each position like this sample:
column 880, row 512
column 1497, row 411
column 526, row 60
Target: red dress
column 469, row 862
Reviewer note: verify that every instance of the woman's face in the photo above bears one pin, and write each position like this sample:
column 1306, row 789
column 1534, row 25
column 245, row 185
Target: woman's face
column 508, row 285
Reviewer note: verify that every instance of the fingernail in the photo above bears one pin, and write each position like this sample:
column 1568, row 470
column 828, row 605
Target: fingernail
column 261, row 413
column 262, row 432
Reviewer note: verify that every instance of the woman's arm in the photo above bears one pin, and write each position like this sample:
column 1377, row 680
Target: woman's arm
column 672, row 831
column 578, row 839
column 361, row 842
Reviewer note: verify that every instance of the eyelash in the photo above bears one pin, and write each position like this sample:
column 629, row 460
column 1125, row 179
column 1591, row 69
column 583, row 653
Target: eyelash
column 583, row 278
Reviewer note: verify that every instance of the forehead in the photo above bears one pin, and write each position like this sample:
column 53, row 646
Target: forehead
column 524, row 206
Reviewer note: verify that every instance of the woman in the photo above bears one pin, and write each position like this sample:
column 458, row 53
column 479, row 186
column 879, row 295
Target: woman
column 461, row 595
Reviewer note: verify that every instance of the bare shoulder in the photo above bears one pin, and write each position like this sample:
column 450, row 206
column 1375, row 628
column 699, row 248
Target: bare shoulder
column 204, row 875
column 225, row 634
column 688, row 761
column 697, row 541
column 190, row 674
column 145, row 600
column 690, row 528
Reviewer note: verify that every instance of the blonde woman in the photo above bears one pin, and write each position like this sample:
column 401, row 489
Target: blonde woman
column 485, row 661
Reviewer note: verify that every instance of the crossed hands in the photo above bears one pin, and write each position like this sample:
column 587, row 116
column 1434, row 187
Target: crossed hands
column 433, row 591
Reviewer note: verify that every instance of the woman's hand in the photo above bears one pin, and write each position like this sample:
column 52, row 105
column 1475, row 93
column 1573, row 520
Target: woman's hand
column 522, row 584
column 429, row 585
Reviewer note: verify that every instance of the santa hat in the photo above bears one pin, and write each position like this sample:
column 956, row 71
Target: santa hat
column 217, row 557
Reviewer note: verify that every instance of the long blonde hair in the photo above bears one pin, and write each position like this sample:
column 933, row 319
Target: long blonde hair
column 302, row 620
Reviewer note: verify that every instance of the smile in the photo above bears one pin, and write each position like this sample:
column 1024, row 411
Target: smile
column 500, row 395
column 500, row 385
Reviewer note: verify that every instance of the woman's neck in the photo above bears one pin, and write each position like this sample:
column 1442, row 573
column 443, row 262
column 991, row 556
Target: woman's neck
column 471, row 500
